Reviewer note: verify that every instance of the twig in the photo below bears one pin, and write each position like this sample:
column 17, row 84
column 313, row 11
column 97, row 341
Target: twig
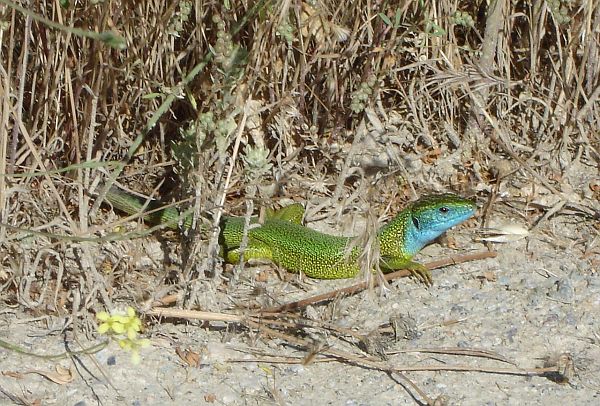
column 369, row 362
column 15, row 348
column 350, row 290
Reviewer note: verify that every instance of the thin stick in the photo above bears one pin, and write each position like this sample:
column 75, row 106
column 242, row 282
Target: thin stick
column 350, row 290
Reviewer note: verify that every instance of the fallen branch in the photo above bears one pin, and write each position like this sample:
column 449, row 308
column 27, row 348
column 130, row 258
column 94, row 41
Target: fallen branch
column 359, row 287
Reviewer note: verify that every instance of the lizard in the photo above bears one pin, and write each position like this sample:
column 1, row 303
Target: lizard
column 283, row 240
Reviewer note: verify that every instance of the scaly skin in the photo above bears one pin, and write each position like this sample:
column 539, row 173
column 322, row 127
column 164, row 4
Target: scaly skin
column 322, row 256
column 283, row 240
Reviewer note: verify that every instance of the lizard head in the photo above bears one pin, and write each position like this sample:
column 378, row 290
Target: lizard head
column 430, row 216
column 421, row 222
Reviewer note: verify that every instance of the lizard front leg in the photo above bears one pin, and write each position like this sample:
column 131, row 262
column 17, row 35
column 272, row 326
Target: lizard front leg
column 419, row 271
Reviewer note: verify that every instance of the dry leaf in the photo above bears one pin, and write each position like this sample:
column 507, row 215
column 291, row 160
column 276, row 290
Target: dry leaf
column 13, row 374
column 505, row 233
column 62, row 375
column 189, row 357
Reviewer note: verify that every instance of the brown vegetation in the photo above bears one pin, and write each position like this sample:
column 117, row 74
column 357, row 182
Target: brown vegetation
column 336, row 103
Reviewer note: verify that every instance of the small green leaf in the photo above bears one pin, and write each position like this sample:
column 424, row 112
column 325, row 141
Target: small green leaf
column 398, row 17
column 386, row 19
column 150, row 96
column 434, row 29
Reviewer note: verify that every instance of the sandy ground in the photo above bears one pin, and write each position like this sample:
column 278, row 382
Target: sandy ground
column 536, row 302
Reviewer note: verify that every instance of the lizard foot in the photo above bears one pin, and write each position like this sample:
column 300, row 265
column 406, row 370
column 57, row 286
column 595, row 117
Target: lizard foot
column 421, row 273
column 417, row 270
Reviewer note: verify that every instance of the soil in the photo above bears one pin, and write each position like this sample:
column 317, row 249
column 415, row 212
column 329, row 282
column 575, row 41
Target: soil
column 491, row 323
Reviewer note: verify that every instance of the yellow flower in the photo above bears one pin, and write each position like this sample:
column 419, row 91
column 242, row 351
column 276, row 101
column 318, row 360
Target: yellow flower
column 126, row 328
column 111, row 324
column 132, row 324
column 134, row 347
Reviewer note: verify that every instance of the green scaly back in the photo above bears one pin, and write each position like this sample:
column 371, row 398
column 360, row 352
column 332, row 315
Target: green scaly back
column 324, row 256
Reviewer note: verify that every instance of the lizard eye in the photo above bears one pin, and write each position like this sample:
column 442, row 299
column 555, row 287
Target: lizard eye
column 444, row 210
column 415, row 222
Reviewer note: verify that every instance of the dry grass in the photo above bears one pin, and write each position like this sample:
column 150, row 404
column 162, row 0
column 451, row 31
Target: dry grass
column 325, row 102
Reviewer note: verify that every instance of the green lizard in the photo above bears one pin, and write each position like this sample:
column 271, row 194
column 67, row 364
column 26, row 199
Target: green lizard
column 284, row 241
